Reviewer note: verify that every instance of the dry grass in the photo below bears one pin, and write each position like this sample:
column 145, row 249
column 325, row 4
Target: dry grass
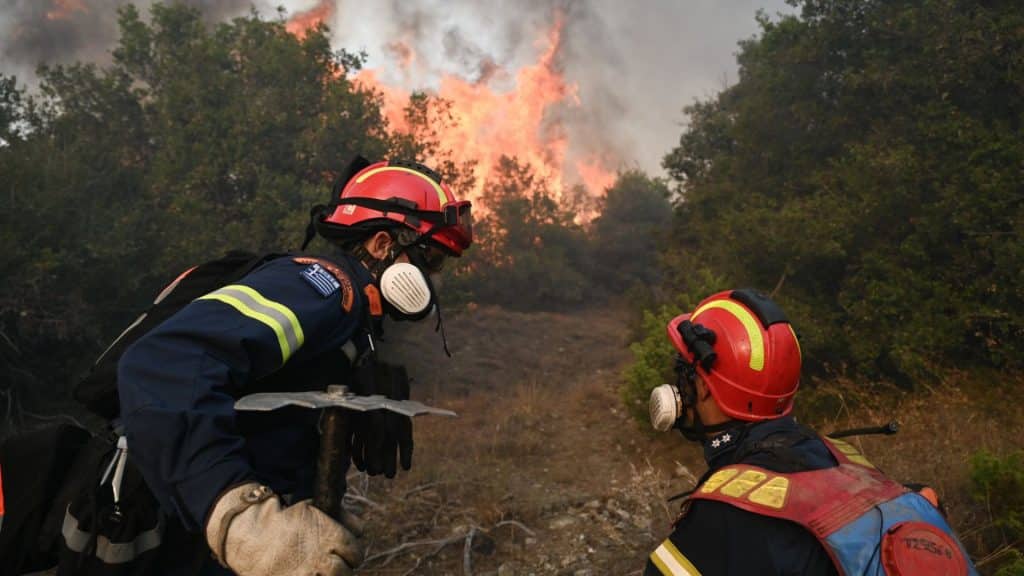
column 543, row 441
column 941, row 427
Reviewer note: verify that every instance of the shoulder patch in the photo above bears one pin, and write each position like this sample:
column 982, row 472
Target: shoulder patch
column 321, row 280
column 327, row 278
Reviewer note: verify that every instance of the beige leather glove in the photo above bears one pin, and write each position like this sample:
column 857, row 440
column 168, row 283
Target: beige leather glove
column 253, row 535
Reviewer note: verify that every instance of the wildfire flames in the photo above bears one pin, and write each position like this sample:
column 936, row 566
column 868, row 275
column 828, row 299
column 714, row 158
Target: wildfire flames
column 492, row 123
column 63, row 9
column 304, row 21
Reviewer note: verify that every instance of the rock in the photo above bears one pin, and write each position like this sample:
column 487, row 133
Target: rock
column 592, row 505
column 507, row 569
column 561, row 523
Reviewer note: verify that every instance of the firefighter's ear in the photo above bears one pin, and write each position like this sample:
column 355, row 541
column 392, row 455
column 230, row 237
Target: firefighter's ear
column 380, row 244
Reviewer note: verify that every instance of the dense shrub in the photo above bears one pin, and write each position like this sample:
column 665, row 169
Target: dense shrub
column 867, row 163
column 998, row 483
column 652, row 352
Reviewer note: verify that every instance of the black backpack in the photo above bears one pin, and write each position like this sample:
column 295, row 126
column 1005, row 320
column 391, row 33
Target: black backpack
column 98, row 389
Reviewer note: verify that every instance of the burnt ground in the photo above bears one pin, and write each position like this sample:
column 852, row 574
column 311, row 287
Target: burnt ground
column 543, row 472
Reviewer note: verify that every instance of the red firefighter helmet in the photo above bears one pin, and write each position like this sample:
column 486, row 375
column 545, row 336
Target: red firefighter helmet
column 404, row 192
column 745, row 349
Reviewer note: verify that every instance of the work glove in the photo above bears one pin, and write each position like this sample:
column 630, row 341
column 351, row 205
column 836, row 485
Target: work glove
column 251, row 534
column 379, row 437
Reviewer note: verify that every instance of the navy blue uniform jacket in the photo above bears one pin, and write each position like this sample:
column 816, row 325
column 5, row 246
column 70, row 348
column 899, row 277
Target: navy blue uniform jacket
column 281, row 327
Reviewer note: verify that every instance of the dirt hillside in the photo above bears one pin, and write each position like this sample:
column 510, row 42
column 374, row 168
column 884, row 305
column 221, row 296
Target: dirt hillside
column 544, row 473
column 543, row 466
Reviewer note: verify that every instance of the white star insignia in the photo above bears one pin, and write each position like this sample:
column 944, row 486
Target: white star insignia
column 726, row 437
column 716, row 443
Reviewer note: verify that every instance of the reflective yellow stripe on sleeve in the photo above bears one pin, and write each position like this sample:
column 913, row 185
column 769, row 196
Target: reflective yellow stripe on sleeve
column 671, row 562
column 274, row 315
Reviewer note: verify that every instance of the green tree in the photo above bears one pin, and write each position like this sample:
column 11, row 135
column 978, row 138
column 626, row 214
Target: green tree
column 194, row 140
column 866, row 168
column 528, row 253
column 627, row 236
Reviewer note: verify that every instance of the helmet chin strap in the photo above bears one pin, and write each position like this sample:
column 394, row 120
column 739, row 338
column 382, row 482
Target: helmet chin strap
column 417, row 259
column 375, row 265
column 696, row 431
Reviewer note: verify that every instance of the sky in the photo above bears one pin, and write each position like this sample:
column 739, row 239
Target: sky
column 633, row 65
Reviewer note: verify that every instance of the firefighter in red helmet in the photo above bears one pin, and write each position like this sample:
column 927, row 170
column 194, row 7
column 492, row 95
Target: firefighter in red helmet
column 778, row 498
column 289, row 323
column 411, row 217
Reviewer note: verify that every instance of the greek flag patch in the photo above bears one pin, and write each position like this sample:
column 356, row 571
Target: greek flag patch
column 321, row 280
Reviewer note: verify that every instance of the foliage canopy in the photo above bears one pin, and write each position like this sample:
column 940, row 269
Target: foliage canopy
column 198, row 139
column 866, row 167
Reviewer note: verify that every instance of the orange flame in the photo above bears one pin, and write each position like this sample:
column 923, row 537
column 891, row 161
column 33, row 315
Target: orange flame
column 490, row 123
column 518, row 122
column 302, row 22
column 63, row 9
column 595, row 176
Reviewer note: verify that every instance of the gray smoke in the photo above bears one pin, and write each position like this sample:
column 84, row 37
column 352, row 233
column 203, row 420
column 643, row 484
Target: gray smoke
column 34, row 32
column 637, row 64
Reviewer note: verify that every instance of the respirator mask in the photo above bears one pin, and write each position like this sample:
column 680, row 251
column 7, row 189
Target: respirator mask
column 408, row 293
column 669, row 403
column 406, row 287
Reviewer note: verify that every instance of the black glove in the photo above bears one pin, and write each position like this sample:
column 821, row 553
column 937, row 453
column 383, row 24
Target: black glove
column 381, row 436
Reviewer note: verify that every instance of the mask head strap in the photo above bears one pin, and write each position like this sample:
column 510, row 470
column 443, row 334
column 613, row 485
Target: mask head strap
column 686, row 383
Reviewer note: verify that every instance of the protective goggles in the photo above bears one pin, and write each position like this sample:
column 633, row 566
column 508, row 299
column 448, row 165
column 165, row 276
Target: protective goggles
column 457, row 220
column 454, row 221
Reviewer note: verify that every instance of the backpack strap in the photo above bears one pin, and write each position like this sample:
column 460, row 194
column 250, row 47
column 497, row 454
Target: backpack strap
column 98, row 389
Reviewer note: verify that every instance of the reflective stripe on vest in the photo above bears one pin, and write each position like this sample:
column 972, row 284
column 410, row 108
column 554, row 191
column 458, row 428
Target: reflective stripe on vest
column 671, row 562
column 110, row 552
column 274, row 315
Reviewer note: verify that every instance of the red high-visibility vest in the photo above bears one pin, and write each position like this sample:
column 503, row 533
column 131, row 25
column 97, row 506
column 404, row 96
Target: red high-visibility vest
column 867, row 523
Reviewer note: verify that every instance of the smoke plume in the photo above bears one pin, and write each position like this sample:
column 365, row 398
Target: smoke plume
column 34, row 32
column 635, row 65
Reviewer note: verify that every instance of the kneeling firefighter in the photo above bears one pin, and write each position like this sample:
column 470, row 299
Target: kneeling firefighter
column 778, row 498
column 231, row 489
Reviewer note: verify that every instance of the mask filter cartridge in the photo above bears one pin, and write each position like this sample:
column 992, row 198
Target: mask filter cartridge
column 666, row 406
column 405, row 288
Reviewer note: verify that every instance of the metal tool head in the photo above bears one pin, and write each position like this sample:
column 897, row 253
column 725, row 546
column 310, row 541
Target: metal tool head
column 335, row 397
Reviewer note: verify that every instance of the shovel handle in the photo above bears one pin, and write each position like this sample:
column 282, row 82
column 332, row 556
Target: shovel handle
column 332, row 463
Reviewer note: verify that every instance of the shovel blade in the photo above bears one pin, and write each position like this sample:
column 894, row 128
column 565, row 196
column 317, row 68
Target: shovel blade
column 267, row 401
